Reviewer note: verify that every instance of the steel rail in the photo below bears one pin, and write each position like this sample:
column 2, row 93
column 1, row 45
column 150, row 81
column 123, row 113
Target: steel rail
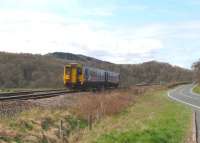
column 6, row 94
column 35, row 96
column 27, row 95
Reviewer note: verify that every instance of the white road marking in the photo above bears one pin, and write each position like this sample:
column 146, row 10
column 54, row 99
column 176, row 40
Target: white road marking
column 189, row 96
column 185, row 102
column 196, row 97
column 176, row 99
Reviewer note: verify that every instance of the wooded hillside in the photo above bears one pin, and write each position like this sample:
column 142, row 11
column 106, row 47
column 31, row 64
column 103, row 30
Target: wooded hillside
column 27, row 70
column 196, row 68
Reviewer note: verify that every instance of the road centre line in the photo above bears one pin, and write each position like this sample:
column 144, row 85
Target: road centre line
column 176, row 99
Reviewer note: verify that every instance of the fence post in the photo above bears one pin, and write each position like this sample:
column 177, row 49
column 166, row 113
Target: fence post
column 102, row 110
column 90, row 122
column 97, row 115
column 78, row 125
column 61, row 131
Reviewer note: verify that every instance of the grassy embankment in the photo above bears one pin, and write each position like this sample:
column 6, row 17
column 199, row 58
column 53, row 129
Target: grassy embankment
column 151, row 118
column 39, row 126
column 197, row 89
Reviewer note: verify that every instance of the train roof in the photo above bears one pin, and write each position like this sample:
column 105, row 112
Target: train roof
column 92, row 68
column 102, row 70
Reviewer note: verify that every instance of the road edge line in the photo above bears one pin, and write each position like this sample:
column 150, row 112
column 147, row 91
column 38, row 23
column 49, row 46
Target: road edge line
column 176, row 99
column 192, row 92
column 195, row 133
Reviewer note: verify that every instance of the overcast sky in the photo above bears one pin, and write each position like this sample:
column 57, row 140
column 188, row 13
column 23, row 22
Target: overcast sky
column 119, row 31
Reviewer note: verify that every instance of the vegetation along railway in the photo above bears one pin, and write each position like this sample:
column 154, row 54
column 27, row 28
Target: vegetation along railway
column 77, row 77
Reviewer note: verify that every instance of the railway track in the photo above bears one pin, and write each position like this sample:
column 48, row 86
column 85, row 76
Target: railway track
column 37, row 94
column 27, row 95
column 27, row 92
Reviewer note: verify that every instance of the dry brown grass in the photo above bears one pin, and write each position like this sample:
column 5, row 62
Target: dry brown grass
column 142, row 122
column 106, row 103
column 12, row 108
column 101, row 104
column 42, row 123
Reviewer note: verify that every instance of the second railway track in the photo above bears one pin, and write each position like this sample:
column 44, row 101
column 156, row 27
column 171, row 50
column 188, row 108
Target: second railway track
column 27, row 92
column 27, row 95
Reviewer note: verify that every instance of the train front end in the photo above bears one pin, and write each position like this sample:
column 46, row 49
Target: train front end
column 73, row 75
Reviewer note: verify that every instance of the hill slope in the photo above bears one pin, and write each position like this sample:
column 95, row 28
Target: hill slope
column 74, row 57
column 27, row 70
column 148, row 72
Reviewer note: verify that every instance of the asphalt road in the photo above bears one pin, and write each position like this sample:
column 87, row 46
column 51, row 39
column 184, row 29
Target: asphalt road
column 185, row 95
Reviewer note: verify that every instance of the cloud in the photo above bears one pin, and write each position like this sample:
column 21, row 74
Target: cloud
column 186, row 30
column 33, row 32
column 116, row 31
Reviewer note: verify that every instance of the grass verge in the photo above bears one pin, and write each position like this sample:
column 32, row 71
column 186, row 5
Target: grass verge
column 196, row 89
column 38, row 126
column 153, row 119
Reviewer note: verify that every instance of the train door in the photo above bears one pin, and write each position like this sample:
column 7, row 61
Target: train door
column 67, row 75
column 106, row 77
column 86, row 74
column 79, row 75
column 73, row 75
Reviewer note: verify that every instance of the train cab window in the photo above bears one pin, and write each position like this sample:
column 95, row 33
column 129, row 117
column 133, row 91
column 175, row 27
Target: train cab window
column 68, row 70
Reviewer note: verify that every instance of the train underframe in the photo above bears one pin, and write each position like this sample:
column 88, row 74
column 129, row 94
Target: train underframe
column 92, row 85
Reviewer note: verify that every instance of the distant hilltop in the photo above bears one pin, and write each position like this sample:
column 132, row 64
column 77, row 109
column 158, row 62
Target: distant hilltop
column 76, row 57
column 33, row 71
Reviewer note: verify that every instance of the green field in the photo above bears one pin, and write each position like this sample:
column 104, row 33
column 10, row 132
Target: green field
column 197, row 89
column 153, row 119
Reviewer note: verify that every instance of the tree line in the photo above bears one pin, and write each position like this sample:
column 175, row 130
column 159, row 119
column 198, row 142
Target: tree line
column 46, row 71
column 196, row 69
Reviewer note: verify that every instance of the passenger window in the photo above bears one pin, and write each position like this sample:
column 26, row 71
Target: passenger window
column 79, row 71
column 86, row 73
